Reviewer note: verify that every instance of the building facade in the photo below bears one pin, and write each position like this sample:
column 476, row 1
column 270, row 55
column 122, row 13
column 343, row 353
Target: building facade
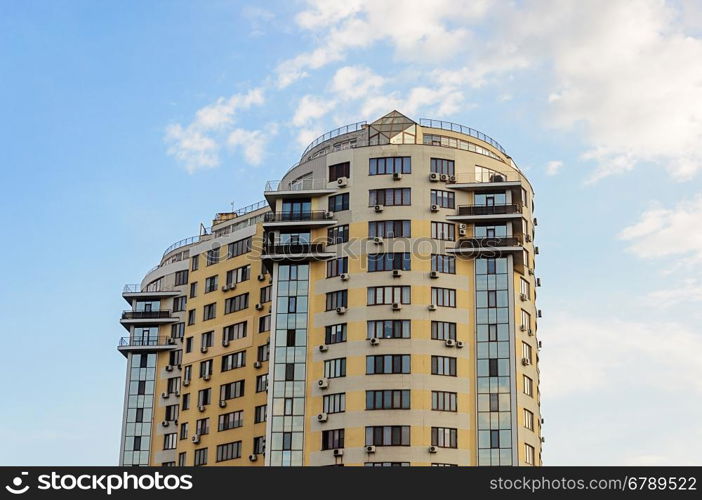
column 378, row 308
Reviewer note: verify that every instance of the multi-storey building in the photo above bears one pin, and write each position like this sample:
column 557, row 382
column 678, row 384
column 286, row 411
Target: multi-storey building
column 377, row 309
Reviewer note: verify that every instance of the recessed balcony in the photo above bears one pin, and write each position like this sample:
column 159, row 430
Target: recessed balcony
column 300, row 219
column 299, row 252
column 486, row 182
column 146, row 343
column 471, row 213
column 159, row 317
column 487, row 246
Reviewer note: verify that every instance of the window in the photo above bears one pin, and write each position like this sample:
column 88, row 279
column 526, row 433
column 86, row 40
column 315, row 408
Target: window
column 202, row 426
column 378, row 295
column 443, row 401
column 184, row 430
column 443, row 330
column 189, row 344
column 389, row 329
column 338, row 234
column 261, row 382
column 260, row 414
column 193, row 289
column 187, row 375
column 388, row 262
column 443, row 263
column 388, row 435
column 526, row 321
column 524, row 288
column 231, row 390
column 207, row 339
column 335, row 368
column 200, row 457
column 390, row 165
column 233, row 361
column 339, row 202
column 173, row 385
column 236, row 303
column 528, row 386
column 238, row 275
column 385, row 364
column 528, row 419
column 339, row 170
column 444, row 437
column 337, row 266
column 213, row 256
column 228, row 451
column 265, row 295
column 441, row 166
column 177, row 330
column 263, row 352
column 337, row 299
column 388, row 400
column 211, row 283
column 443, row 231
column 444, row 199
column 230, row 420
column 209, row 311
column 240, row 247
column 390, row 197
column 333, row 439
column 389, row 229
column 179, row 303
column 334, row 334
column 334, row 403
column 259, row 445
column 443, row 297
column 191, row 317
column 181, row 277
column 443, row 365
column 264, row 323
column 527, row 352
column 204, row 397
column 205, row 368
column 169, row 441
column 194, row 262
column 234, row 332
column 528, row 454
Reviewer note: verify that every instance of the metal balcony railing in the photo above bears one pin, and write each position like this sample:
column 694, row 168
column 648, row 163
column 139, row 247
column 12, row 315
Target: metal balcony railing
column 161, row 314
column 489, row 209
column 298, row 185
column 315, row 215
column 462, row 129
column 488, row 243
column 145, row 341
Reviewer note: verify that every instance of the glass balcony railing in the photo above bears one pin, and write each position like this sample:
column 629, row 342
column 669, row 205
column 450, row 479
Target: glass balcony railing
column 146, row 341
column 161, row 314
column 316, row 215
column 487, row 243
column 506, row 209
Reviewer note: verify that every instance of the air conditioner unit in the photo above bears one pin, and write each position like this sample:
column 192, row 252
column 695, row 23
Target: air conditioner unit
column 542, row 420
column 341, row 310
column 171, row 340
column 338, row 453
column 396, row 273
column 378, row 240
column 322, row 417
column 379, row 208
column 432, row 307
column 344, row 276
column 253, row 457
column 531, row 272
column 444, row 177
column 259, row 307
column 186, row 382
column 434, row 274
column 328, row 215
column 523, row 297
column 203, row 349
column 536, row 250
column 433, row 449
column 536, row 222
column 397, row 176
column 207, row 376
column 370, row 449
column 460, row 344
column 323, row 348
column 164, row 395
column 225, row 288
column 164, row 423
column 539, row 344
column 463, row 226
column 222, row 403
column 196, row 438
column 434, row 177
column 169, row 368
column 374, row 341
column 452, row 179
column 342, row 181
column 177, row 394
column 543, row 439
column 434, row 208
column 201, row 408
column 450, row 343
column 538, row 281
column 396, row 306
column 323, row 383
column 528, row 237
column 225, row 342
column 261, row 277
column 531, row 332
column 257, row 364
column 523, row 328
column 462, row 232
column 526, row 361
column 538, row 313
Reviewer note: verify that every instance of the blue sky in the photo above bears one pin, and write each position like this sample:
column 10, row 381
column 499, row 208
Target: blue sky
column 127, row 124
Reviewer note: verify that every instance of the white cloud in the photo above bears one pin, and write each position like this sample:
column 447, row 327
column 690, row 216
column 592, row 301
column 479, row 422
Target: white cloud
column 197, row 145
column 354, row 82
column 553, row 167
column 311, row 108
column 689, row 291
column 252, row 142
column 306, row 135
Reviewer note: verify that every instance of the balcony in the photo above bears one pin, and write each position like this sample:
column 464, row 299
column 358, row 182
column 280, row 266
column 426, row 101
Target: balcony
column 297, row 252
column 486, row 181
column 469, row 213
column 134, row 291
column 304, row 219
column 148, row 343
column 487, row 247
column 159, row 317
column 301, row 188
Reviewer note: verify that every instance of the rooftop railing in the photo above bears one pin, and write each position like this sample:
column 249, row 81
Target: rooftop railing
column 352, row 127
column 462, row 129
column 298, row 185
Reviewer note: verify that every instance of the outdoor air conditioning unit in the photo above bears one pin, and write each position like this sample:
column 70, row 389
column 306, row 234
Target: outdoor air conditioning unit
column 203, row 349
column 444, row 177
column 528, row 237
column 259, row 307
column 344, row 276
column 396, row 273
column 341, row 310
column 434, row 208
column 196, row 438
column 462, row 232
column 322, row 417
column 328, row 215
column 338, row 453
column 378, row 240
column 531, row 272
column 536, row 222
column 434, row 177
column 222, row 403
column 225, row 342
column 433, row 449
column 538, row 281
column 207, row 376
column 543, row 439
column 374, row 341
column 253, row 457
column 538, row 313
column 523, row 297
column 323, row 348
column 450, row 343
column 542, row 420
column 396, row 306
column 342, row 181
column 169, row 368
column 201, row 408
column 164, row 395
column 531, row 332
column 459, row 344
column 432, row 307
column 434, row 274
column 379, row 208
column 526, row 361
column 539, row 344
column 536, row 250
column 370, row 449
column 397, row 176
column 523, row 328
column 323, row 383
column 171, row 340
column 186, row 382
column 164, row 423
column 257, row 364
column 261, row 277
column 452, row 179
